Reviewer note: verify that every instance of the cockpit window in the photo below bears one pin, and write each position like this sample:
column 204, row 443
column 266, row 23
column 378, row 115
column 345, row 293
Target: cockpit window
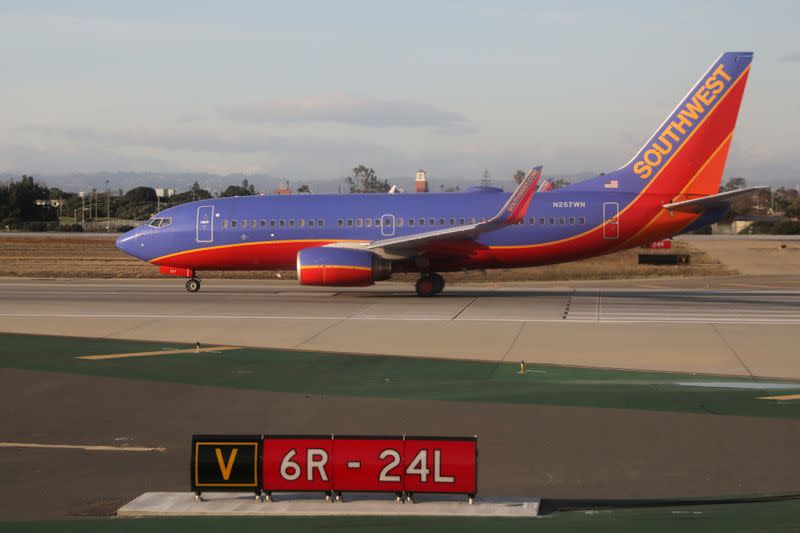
column 159, row 222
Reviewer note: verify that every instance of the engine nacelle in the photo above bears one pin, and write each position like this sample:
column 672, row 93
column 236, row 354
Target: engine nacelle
column 341, row 266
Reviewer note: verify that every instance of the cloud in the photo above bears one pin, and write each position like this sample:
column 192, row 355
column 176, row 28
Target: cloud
column 791, row 57
column 350, row 109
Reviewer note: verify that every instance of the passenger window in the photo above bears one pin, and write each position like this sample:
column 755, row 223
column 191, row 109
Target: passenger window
column 349, row 221
column 441, row 222
column 472, row 220
column 224, row 224
column 368, row 222
column 291, row 223
column 253, row 224
column 262, row 223
column 282, row 223
column 560, row 220
column 452, row 222
column 582, row 220
column 301, row 222
column 571, row 221
column 421, row 222
column 410, row 221
column 359, row 222
column 340, row 222
column 320, row 223
column 398, row 222
column 541, row 221
column 377, row 222
column 462, row 221
column 310, row 222
column 233, row 223
column 244, row 224
column 551, row 220
column 431, row 221
column 272, row 223
column 531, row 221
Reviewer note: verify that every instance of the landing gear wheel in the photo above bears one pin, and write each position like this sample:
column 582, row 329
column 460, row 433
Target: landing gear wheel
column 425, row 286
column 193, row 285
column 438, row 282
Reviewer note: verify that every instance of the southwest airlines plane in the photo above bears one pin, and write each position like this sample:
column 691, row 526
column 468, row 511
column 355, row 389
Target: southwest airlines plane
column 669, row 187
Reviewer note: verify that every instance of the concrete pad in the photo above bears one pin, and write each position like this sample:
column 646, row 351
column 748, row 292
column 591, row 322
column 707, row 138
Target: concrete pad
column 241, row 504
column 769, row 352
column 674, row 347
column 542, row 306
column 452, row 339
column 274, row 332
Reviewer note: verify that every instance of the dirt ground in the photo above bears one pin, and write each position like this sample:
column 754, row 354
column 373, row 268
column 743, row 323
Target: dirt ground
column 94, row 256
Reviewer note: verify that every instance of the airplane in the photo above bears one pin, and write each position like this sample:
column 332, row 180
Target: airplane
column 670, row 186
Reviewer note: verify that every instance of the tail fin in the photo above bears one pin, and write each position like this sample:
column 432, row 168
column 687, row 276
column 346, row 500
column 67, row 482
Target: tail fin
column 686, row 155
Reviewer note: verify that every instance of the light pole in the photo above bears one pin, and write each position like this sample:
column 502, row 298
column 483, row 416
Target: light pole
column 83, row 213
column 108, row 208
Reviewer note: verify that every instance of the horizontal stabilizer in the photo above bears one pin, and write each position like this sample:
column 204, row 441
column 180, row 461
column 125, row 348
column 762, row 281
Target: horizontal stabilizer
column 696, row 205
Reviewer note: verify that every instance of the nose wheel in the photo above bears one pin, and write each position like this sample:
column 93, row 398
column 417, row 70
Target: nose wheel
column 193, row 285
column 429, row 284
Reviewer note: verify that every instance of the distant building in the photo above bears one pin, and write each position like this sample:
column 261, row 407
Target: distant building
column 52, row 203
column 422, row 181
column 165, row 193
column 283, row 188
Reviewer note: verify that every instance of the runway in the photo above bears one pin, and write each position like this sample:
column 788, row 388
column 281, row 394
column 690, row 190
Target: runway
column 717, row 331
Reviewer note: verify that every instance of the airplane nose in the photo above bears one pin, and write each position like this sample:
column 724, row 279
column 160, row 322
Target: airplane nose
column 127, row 242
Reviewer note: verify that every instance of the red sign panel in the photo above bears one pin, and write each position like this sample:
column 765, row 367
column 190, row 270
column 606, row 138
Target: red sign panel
column 298, row 464
column 370, row 464
column 440, row 465
column 659, row 245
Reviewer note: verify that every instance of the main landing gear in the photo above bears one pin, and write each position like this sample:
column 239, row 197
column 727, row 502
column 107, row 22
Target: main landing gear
column 193, row 285
column 430, row 284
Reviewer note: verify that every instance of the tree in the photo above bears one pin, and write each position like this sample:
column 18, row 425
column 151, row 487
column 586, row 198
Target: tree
column 519, row 175
column 18, row 202
column 486, row 178
column 245, row 189
column 304, row 188
column 733, row 184
column 365, row 180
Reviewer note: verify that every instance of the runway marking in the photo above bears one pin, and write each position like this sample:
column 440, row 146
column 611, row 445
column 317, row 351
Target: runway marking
column 86, row 447
column 784, row 397
column 159, row 352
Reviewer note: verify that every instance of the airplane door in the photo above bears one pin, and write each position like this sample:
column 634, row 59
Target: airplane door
column 611, row 216
column 205, row 224
column 387, row 225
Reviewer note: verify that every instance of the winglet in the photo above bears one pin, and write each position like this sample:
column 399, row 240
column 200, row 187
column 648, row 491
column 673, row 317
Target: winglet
column 517, row 204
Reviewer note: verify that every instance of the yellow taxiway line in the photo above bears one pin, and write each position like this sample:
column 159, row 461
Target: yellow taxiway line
column 159, row 352
column 785, row 397
column 80, row 447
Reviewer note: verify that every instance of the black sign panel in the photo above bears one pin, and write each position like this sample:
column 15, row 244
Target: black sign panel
column 226, row 463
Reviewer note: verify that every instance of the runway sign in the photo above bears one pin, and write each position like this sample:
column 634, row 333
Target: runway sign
column 226, row 462
column 370, row 464
column 298, row 463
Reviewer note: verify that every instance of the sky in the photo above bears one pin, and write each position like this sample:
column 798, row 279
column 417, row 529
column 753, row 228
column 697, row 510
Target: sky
column 308, row 90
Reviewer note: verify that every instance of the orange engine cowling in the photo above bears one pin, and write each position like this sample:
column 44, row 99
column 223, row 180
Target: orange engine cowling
column 341, row 267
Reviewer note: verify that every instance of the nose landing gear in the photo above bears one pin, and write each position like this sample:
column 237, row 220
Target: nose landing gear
column 193, row 285
column 429, row 284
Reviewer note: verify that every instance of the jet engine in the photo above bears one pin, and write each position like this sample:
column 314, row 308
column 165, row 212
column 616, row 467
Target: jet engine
column 341, row 267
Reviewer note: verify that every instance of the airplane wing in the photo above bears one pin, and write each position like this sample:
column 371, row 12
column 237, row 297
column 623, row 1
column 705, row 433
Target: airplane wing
column 715, row 200
column 512, row 212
